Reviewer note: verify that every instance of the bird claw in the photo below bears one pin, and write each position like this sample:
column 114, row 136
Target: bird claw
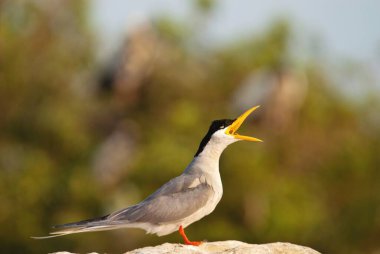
column 193, row 243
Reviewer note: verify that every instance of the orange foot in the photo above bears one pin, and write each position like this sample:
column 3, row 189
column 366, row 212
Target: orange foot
column 185, row 239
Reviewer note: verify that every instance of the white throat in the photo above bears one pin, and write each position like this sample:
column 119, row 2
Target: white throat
column 208, row 159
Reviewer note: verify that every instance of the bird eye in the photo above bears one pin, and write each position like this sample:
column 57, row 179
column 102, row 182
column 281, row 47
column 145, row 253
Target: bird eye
column 222, row 127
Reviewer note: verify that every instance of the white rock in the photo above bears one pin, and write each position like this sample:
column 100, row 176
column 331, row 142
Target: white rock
column 227, row 247
column 230, row 247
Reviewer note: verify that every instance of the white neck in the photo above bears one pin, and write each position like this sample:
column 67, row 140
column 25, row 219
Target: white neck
column 208, row 159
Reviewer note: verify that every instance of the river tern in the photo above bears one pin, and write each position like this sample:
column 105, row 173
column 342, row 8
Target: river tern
column 181, row 201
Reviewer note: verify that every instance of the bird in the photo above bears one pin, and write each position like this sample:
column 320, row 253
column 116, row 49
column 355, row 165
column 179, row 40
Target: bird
column 181, row 201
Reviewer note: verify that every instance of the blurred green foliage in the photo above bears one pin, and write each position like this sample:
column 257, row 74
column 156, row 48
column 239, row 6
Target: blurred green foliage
column 314, row 181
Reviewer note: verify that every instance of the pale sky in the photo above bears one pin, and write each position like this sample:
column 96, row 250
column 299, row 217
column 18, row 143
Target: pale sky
column 348, row 29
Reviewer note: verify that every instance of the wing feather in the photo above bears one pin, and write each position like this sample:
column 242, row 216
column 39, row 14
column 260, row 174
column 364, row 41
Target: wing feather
column 177, row 199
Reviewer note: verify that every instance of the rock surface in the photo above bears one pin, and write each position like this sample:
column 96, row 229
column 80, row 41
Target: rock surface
column 230, row 247
column 233, row 247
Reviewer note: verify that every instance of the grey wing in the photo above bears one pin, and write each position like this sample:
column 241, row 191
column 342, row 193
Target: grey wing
column 175, row 200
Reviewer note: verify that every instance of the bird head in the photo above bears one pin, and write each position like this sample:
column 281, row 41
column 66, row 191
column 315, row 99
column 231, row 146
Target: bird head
column 224, row 131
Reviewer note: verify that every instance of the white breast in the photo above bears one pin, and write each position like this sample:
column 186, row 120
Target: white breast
column 216, row 183
column 206, row 164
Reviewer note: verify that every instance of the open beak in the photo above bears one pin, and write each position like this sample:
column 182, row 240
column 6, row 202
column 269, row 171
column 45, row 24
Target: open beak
column 232, row 129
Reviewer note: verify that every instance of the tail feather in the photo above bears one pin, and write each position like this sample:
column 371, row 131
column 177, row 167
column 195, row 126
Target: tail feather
column 96, row 224
column 54, row 234
column 82, row 222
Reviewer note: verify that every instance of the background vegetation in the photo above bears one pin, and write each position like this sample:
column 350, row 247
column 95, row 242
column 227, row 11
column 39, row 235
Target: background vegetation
column 78, row 140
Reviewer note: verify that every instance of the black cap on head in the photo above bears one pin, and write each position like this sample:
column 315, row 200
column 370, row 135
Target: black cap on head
column 215, row 126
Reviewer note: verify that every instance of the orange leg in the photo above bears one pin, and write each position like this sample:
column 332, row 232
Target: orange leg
column 185, row 239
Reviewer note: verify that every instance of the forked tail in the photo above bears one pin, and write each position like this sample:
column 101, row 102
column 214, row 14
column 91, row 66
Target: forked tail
column 97, row 224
